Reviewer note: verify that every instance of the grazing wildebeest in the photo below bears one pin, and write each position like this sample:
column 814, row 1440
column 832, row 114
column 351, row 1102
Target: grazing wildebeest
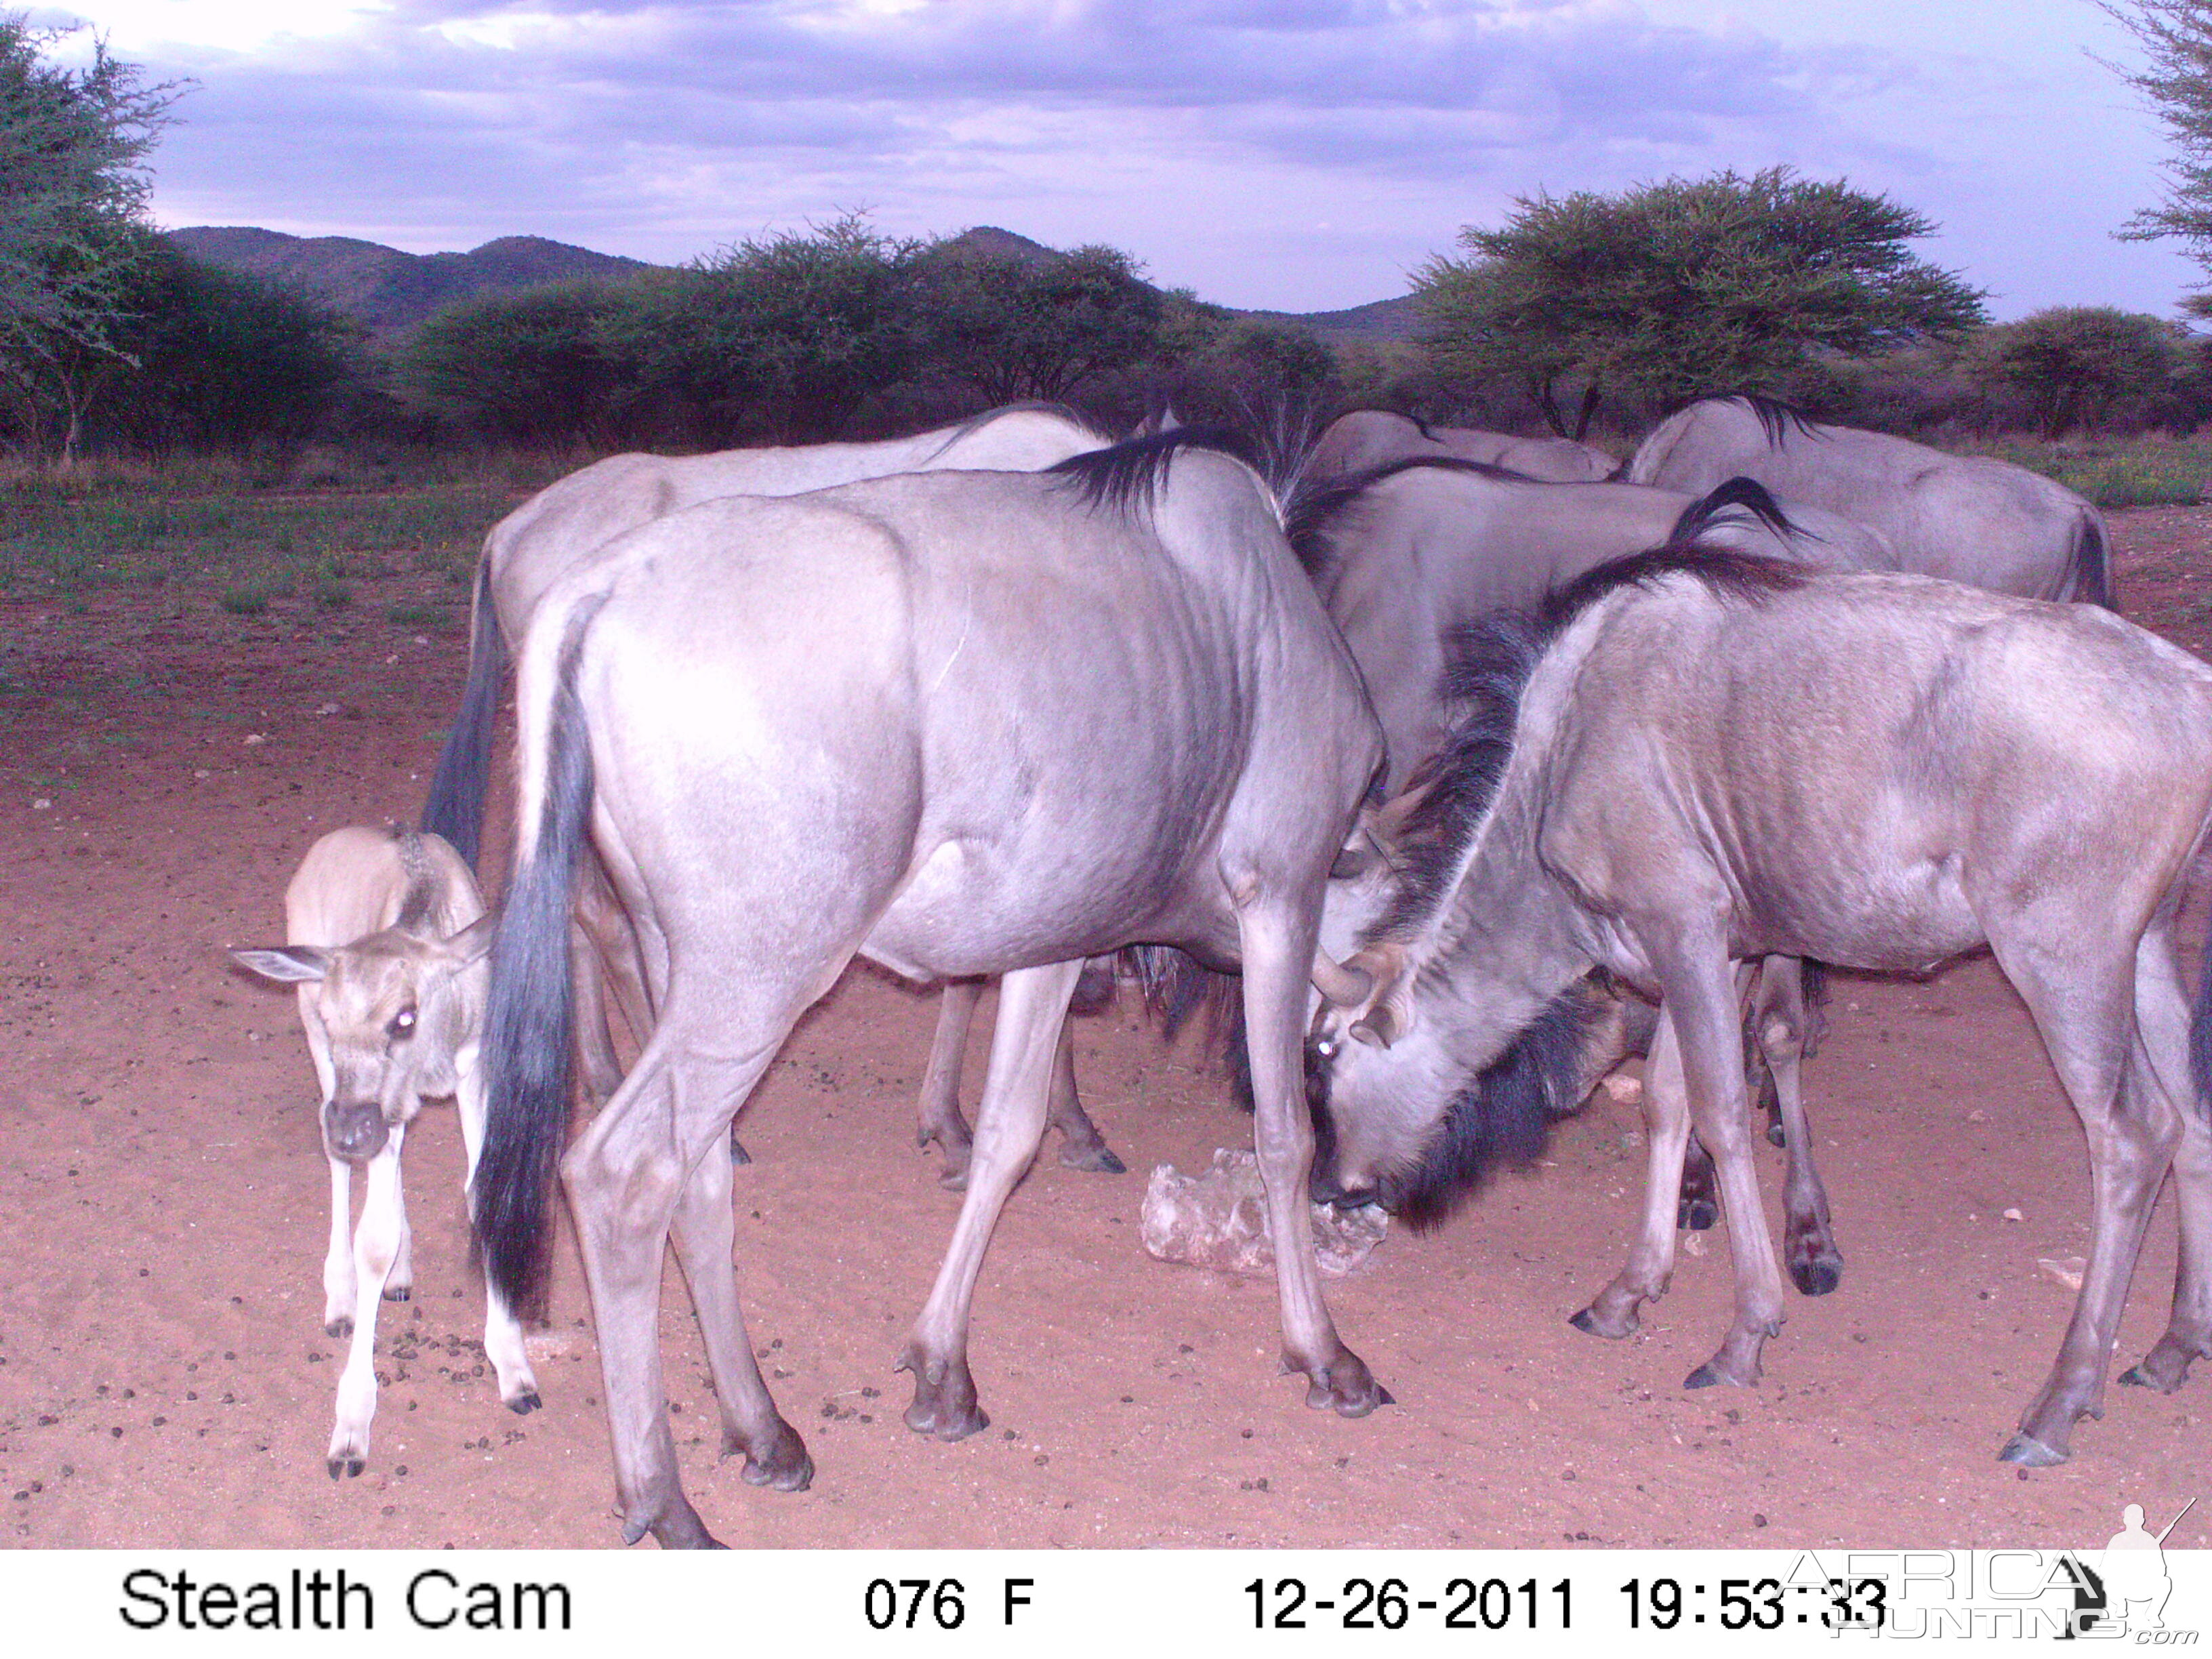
column 386, row 938
column 566, row 526
column 1707, row 758
column 1369, row 438
column 1986, row 523
column 971, row 724
column 1408, row 555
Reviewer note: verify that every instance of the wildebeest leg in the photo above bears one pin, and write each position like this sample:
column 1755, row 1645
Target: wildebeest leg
column 399, row 1283
column 1009, row 1124
column 2086, row 1010
column 598, row 1066
column 1081, row 1145
column 1277, row 945
column 1708, row 1021
column 502, row 1338
column 2162, row 1014
column 705, row 1234
column 939, row 1118
column 1779, row 1022
column 338, row 1255
column 1701, row 1202
column 1650, row 1261
column 375, row 1242
column 626, row 1175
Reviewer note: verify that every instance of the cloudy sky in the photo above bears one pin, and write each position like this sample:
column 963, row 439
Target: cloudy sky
column 1289, row 154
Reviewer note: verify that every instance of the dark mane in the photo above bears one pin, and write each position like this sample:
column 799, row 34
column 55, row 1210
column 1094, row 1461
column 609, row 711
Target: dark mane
column 1749, row 578
column 1487, row 668
column 1503, row 1118
column 1130, row 472
column 1487, row 665
column 1311, row 512
column 1776, row 418
column 1748, row 494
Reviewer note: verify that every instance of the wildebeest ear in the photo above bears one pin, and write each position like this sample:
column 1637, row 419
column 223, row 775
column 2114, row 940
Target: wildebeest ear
column 288, row 964
column 474, row 941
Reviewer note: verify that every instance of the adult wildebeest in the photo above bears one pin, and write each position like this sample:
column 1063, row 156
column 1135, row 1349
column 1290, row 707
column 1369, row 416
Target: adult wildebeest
column 562, row 530
column 1707, row 758
column 1408, row 555
column 1986, row 523
column 1369, row 438
column 386, row 936
column 971, row 724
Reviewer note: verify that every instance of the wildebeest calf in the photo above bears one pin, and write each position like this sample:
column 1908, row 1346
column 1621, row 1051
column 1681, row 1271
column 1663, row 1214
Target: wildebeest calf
column 387, row 934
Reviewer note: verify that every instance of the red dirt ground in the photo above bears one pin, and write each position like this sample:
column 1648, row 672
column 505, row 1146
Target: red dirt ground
column 164, row 1379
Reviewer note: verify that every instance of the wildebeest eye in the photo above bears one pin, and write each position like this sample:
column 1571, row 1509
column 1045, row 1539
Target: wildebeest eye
column 403, row 1023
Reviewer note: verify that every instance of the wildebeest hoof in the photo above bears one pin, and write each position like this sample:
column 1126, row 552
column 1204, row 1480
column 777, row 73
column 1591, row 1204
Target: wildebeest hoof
column 1346, row 1387
column 2165, row 1368
column 781, row 1464
column 523, row 1404
column 1099, row 1159
column 679, row 1527
column 1776, row 1134
column 737, row 1155
column 399, row 1292
column 348, row 1464
column 2024, row 1449
column 1594, row 1323
column 944, row 1405
column 1696, row 1215
column 1817, row 1277
column 341, row 1327
column 1714, row 1371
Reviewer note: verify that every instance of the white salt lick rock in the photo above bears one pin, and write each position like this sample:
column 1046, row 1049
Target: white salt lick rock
column 1218, row 1221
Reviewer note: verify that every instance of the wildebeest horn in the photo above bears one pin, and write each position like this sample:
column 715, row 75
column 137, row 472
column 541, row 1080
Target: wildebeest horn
column 1345, row 987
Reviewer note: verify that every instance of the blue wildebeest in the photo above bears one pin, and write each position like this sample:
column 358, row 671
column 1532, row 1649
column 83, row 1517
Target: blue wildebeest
column 1406, row 554
column 1986, row 523
column 1369, row 438
column 386, row 940
column 567, row 525
column 1705, row 759
column 1410, row 554
column 971, row 724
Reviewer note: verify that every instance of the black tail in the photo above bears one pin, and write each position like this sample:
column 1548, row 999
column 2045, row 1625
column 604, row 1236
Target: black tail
column 2092, row 565
column 1748, row 494
column 456, row 807
column 529, row 1018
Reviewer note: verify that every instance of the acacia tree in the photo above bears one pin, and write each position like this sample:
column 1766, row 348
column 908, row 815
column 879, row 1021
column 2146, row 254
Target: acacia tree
column 779, row 337
column 72, row 199
column 2176, row 35
column 1012, row 328
column 2077, row 366
column 554, row 363
column 1684, row 287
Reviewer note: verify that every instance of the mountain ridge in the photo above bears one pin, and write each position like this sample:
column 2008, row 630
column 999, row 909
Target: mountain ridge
column 390, row 290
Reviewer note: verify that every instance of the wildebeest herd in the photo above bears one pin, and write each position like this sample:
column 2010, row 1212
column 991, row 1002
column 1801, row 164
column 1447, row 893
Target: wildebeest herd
column 1479, row 780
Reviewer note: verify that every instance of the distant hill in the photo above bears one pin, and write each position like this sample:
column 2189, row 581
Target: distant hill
column 389, row 289
column 1377, row 322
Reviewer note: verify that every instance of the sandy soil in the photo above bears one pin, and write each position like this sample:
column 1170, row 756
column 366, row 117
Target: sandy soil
column 164, row 1379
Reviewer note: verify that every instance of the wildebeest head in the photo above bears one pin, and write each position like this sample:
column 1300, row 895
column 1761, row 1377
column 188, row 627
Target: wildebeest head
column 1436, row 1059
column 396, row 1009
